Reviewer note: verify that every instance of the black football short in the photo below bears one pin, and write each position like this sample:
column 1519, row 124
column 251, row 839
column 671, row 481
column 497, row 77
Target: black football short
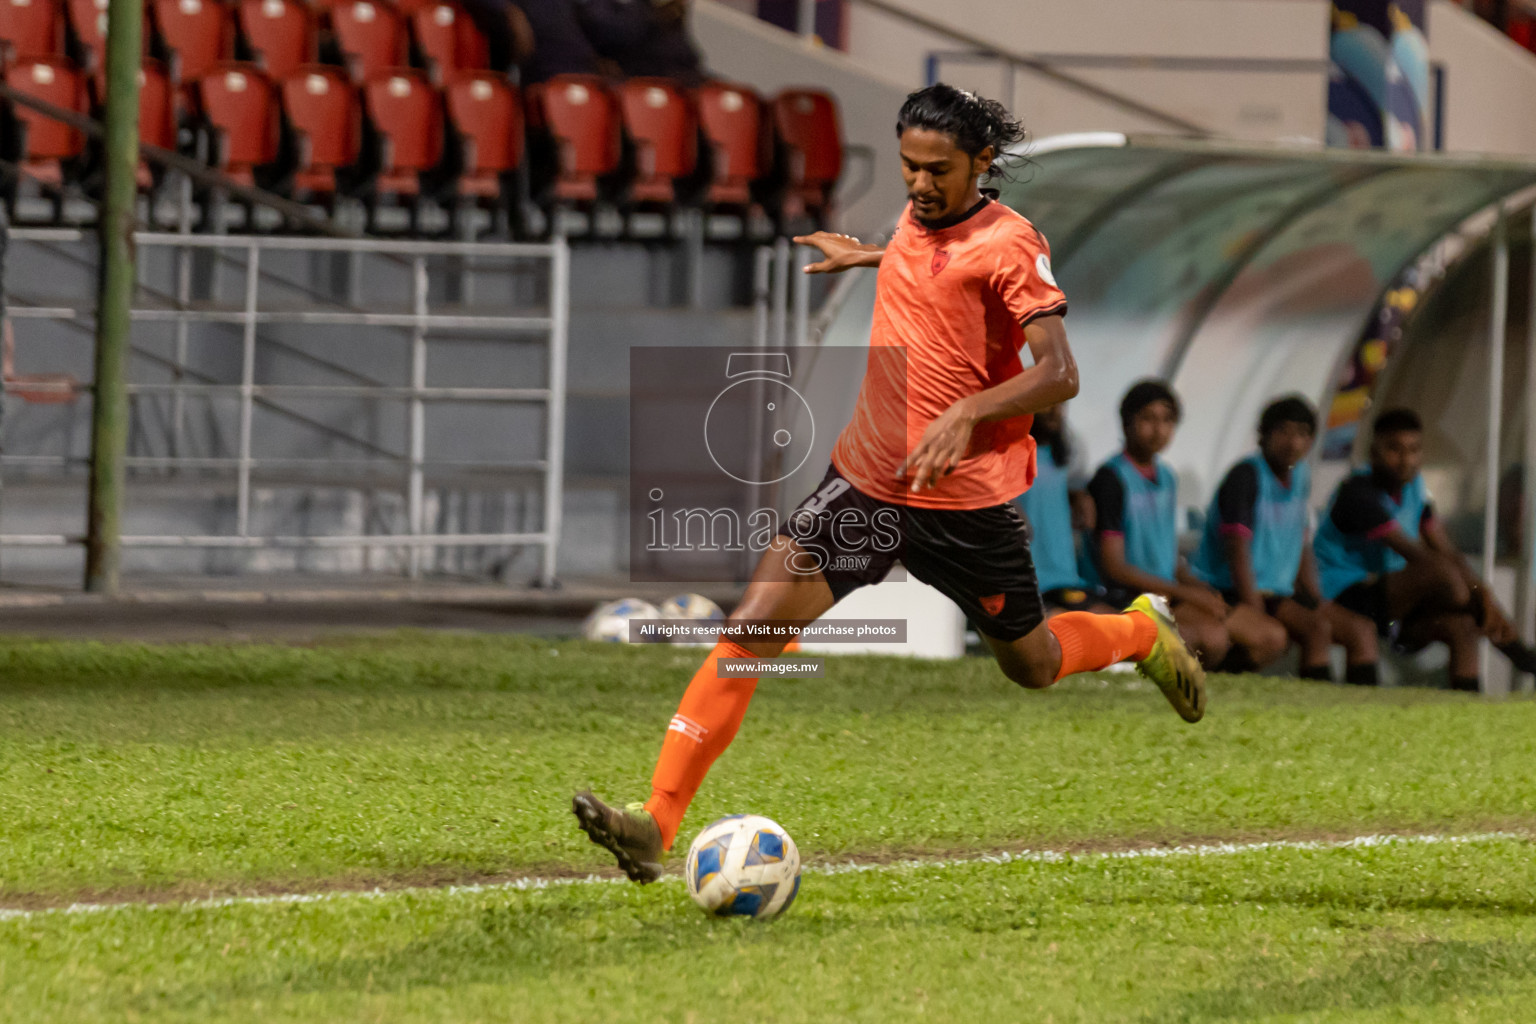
column 979, row 558
column 1368, row 598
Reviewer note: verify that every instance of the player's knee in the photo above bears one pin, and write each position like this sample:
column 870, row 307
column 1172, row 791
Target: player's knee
column 1212, row 644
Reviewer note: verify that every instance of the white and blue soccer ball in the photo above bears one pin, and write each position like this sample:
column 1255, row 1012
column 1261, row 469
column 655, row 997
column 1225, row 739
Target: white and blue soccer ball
column 743, row 866
column 609, row 622
column 691, row 606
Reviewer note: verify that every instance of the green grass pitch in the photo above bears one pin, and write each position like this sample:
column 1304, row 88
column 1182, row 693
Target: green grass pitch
column 171, row 774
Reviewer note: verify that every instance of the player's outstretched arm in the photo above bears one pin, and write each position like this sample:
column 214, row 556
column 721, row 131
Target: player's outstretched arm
column 840, row 252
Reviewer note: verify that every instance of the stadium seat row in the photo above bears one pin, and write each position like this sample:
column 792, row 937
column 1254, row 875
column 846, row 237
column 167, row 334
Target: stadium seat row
column 315, row 133
column 279, row 35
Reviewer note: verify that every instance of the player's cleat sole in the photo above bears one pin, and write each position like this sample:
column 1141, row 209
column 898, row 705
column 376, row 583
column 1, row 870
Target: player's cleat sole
column 1171, row 665
column 631, row 835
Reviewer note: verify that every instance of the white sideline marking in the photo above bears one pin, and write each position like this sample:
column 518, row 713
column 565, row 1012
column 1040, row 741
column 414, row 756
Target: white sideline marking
column 834, row 868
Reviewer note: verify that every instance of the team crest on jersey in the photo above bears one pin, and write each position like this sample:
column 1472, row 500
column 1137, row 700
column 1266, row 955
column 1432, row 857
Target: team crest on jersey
column 992, row 604
column 940, row 261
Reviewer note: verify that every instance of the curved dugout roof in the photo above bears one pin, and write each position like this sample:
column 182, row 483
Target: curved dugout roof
column 1238, row 272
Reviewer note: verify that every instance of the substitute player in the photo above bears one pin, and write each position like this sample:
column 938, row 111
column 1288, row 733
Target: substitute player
column 1058, row 508
column 938, row 444
column 1385, row 559
column 1255, row 548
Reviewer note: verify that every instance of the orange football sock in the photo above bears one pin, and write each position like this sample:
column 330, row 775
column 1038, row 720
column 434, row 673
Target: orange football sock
column 1090, row 641
column 706, row 721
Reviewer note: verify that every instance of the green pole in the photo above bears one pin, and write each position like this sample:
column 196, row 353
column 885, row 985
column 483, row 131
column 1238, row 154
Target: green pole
column 114, row 297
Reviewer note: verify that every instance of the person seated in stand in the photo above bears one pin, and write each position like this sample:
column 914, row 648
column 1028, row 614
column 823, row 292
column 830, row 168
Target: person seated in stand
column 1385, row 560
column 1255, row 548
column 645, row 38
column 1058, row 508
column 540, row 38
column 1136, row 539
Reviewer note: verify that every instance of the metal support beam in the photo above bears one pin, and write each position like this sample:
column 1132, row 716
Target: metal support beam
column 1497, row 322
column 762, row 276
column 417, row 428
column 780, row 315
column 554, row 478
column 114, row 297
column 247, row 392
column 800, row 292
column 805, row 19
column 1526, row 607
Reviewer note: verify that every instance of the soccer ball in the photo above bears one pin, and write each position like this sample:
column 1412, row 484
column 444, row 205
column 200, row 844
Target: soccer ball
column 691, row 606
column 743, row 866
column 609, row 622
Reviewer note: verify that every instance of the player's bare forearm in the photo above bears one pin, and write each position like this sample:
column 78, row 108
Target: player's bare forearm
column 840, row 252
column 1240, row 561
column 1051, row 381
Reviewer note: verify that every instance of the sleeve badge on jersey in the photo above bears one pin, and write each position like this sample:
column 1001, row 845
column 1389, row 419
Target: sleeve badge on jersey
column 1043, row 268
column 940, row 261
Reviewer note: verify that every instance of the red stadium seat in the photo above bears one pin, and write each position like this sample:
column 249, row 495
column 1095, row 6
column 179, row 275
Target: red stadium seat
column 200, row 33
column 371, row 34
column 31, row 28
column 157, row 114
column 281, row 32
column 732, row 119
column 449, row 39
column 241, row 107
column 324, row 111
column 664, row 129
column 407, row 112
column 806, row 124
column 580, row 115
column 46, row 143
column 487, row 114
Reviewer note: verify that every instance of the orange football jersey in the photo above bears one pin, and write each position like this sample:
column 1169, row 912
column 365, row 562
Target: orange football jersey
column 950, row 310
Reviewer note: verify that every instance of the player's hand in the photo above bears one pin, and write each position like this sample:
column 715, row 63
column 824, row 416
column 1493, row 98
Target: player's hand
column 839, row 252
column 940, row 449
column 1496, row 625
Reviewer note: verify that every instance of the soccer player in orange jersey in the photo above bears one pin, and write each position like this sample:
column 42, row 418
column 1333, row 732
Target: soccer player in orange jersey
column 939, row 445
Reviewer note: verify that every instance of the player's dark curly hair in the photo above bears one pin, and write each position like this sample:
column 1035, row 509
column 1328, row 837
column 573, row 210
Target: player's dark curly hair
column 973, row 122
column 1395, row 421
column 1290, row 409
column 1142, row 394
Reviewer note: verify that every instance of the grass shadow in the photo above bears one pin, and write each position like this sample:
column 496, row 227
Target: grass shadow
column 1406, row 974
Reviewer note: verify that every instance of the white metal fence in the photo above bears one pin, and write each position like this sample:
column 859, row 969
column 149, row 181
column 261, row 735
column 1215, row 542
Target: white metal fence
column 414, row 318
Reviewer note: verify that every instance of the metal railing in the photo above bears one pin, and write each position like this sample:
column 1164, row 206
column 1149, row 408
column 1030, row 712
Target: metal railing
column 415, row 322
